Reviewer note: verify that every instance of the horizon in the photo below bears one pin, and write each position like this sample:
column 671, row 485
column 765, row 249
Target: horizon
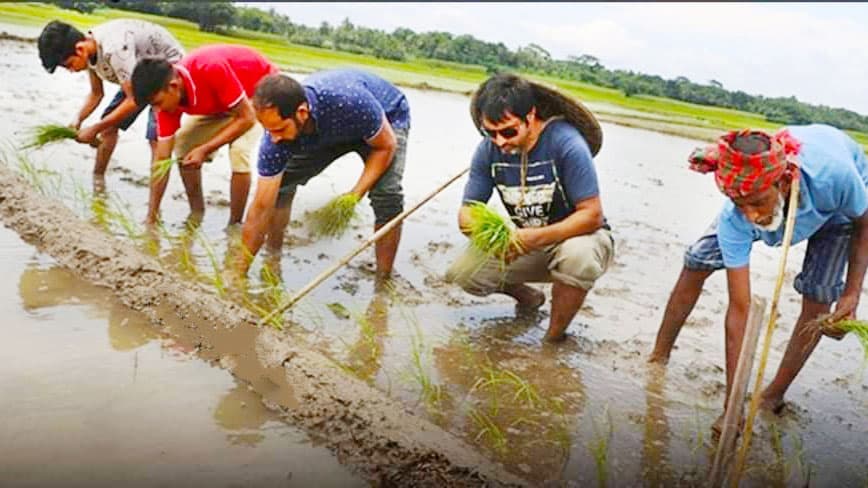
column 644, row 38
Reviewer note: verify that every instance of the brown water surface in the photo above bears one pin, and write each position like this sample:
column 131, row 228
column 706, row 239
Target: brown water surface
column 92, row 395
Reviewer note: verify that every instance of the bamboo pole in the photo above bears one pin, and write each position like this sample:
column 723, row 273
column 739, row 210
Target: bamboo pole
column 343, row 261
column 770, row 328
column 735, row 402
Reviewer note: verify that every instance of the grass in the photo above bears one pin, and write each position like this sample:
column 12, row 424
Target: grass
column 423, row 73
column 335, row 217
column 48, row 133
column 161, row 168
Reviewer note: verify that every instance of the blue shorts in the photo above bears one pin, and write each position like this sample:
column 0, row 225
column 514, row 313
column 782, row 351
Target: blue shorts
column 150, row 134
column 387, row 195
column 822, row 276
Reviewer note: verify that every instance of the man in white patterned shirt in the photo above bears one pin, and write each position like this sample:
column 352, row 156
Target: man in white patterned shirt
column 108, row 52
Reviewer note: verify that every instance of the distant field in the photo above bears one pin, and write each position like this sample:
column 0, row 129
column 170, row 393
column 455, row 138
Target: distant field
column 652, row 113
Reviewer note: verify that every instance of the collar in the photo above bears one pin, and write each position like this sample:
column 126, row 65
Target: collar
column 189, row 85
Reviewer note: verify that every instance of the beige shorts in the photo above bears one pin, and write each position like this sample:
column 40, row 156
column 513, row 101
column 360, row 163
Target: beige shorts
column 578, row 261
column 198, row 129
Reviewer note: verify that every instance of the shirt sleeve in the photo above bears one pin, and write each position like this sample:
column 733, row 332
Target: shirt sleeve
column 576, row 168
column 167, row 123
column 225, row 83
column 480, row 183
column 734, row 239
column 272, row 157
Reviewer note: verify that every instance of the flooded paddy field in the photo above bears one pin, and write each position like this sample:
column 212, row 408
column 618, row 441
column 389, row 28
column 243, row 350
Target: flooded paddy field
column 585, row 411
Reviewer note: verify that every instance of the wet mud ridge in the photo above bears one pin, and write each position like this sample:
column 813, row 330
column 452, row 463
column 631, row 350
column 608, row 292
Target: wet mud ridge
column 367, row 431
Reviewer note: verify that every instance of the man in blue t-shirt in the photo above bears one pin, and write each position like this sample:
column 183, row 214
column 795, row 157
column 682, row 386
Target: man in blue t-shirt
column 756, row 171
column 538, row 155
column 310, row 125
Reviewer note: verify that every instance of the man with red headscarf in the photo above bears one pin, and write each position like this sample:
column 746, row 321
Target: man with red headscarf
column 756, row 171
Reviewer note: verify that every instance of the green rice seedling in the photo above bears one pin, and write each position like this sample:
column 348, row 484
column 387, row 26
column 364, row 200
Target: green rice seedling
column 161, row 168
column 216, row 276
column 560, row 431
column 275, row 294
column 335, row 217
column 858, row 327
column 487, row 428
column 490, row 232
column 431, row 392
column 48, row 133
column 339, row 310
column 599, row 447
column 120, row 213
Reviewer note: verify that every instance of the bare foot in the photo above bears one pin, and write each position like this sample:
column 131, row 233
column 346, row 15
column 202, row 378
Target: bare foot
column 717, row 427
column 774, row 405
column 660, row 359
column 527, row 297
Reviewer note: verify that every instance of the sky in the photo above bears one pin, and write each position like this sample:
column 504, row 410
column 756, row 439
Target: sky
column 815, row 52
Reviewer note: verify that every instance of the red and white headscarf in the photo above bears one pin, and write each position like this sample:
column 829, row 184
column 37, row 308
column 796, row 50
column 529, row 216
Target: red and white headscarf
column 738, row 174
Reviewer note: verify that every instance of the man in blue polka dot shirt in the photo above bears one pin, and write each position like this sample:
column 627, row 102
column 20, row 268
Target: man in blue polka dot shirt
column 311, row 124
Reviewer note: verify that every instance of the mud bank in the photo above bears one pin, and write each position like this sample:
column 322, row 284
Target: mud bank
column 372, row 434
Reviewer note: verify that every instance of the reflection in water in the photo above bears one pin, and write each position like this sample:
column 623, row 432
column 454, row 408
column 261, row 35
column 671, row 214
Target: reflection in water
column 656, row 468
column 520, row 401
column 241, row 412
column 45, row 288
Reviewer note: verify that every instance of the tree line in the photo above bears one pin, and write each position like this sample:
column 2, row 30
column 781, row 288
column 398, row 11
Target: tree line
column 405, row 44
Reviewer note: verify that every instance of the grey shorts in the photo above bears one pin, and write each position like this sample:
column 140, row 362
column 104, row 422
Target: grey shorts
column 822, row 275
column 150, row 132
column 387, row 195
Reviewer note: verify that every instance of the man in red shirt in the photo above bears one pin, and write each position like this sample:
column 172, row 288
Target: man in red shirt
column 213, row 84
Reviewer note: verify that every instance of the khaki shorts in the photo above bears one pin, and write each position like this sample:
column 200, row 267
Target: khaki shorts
column 198, row 129
column 578, row 262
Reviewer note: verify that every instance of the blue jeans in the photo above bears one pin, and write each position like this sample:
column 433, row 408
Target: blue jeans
column 821, row 279
column 150, row 134
column 387, row 195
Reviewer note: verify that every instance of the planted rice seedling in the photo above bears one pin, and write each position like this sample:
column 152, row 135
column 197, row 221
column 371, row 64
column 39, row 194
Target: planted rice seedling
column 487, row 428
column 216, row 276
column 431, row 392
column 48, row 133
column 599, row 447
column 334, row 218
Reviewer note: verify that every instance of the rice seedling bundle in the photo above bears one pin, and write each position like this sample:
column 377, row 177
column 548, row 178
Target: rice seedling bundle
column 334, row 218
column 490, row 233
column 161, row 168
column 48, row 133
column 858, row 327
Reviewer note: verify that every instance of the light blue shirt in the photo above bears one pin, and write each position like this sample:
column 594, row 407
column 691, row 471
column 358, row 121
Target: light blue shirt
column 832, row 189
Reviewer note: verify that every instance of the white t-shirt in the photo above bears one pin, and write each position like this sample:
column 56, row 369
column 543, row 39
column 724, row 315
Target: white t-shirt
column 121, row 43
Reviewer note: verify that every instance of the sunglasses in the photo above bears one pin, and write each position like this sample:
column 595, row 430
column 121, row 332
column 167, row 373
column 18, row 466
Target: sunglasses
column 506, row 133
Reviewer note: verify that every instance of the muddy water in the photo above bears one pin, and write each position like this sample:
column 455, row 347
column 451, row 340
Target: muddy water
column 586, row 410
column 93, row 396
